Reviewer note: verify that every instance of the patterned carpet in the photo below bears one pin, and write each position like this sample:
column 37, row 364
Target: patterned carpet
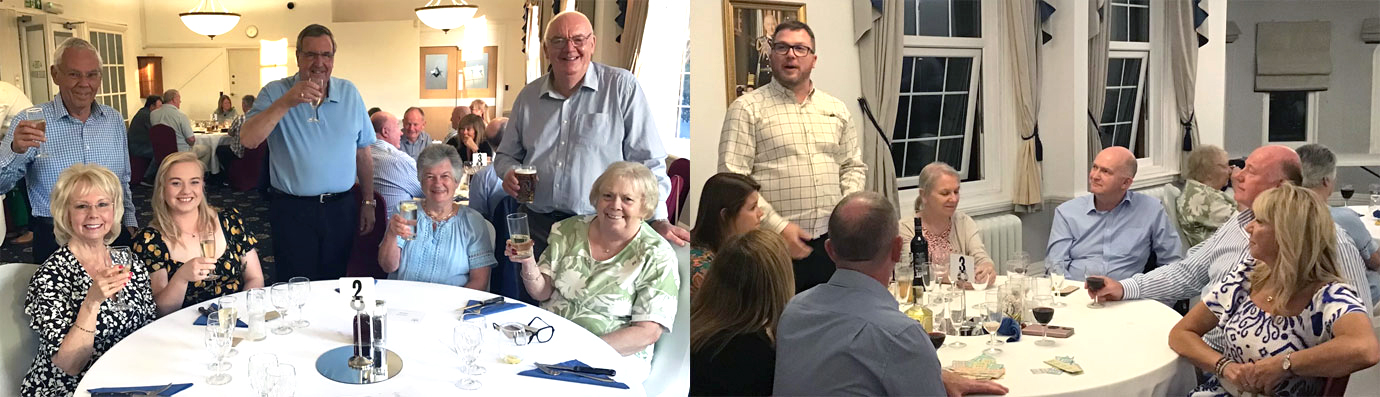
column 250, row 203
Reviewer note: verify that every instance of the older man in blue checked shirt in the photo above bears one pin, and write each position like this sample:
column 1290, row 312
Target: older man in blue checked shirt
column 78, row 131
column 572, row 124
column 313, row 164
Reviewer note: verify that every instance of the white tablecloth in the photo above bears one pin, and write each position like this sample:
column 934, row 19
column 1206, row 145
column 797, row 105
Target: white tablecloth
column 1123, row 349
column 211, row 141
column 171, row 350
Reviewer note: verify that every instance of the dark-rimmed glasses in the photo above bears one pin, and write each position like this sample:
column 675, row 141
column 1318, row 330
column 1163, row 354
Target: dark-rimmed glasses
column 798, row 49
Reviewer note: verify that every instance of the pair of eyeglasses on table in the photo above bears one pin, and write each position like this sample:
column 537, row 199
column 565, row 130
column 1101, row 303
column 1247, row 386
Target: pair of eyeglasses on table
column 536, row 333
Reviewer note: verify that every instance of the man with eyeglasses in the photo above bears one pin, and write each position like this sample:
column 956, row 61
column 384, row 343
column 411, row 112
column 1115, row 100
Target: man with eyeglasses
column 315, row 156
column 799, row 143
column 572, row 124
column 78, row 131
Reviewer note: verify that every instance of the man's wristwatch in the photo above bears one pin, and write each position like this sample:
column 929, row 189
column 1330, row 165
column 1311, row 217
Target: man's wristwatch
column 370, row 203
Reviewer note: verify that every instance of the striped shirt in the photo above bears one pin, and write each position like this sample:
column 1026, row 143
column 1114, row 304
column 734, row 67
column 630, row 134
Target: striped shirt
column 99, row 140
column 805, row 155
column 395, row 175
column 235, row 145
column 1208, row 262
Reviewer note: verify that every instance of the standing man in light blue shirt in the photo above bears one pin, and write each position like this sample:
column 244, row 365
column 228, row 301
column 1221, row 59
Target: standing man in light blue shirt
column 314, row 164
column 395, row 172
column 1112, row 231
column 572, row 124
column 78, row 131
column 1320, row 176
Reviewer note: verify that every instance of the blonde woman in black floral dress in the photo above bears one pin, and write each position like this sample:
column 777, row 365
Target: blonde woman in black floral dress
column 171, row 244
column 68, row 298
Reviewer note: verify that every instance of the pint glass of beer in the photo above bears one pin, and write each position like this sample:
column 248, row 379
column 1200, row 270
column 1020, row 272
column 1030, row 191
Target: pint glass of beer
column 527, row 184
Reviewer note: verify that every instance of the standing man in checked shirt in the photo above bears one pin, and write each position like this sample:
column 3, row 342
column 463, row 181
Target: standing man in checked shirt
column 572, row 124
column 314, row 164
column 1267, row 167
column 78, row 131
column 799, row 143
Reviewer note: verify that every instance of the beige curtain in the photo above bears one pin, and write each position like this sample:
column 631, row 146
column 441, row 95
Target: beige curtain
column 634, row 24
column 1022, row 43
column 878, row 38
column 1101, row 14
column 1183, row 67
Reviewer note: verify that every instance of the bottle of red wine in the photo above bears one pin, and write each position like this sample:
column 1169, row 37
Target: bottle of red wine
column 919, row 254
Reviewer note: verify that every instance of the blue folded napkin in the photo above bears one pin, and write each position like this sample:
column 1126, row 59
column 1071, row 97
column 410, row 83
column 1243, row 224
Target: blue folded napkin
column 569, row 377
column 1010, row 327
column 490, row 309
column 202, row 319
column 1376, row 214
column 171, row 390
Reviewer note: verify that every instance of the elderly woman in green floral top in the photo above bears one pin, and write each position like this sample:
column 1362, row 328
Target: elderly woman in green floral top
column 610, row 272
column 1204, row 206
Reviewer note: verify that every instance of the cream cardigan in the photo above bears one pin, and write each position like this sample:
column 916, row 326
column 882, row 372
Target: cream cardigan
column 963, row 237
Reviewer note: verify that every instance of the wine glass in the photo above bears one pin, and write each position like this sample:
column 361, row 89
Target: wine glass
column 1095, row 282
column 1347, row 192
column 1056, row 281
column 958, row 313
column 121, row 256
column 281, row 380
column 316, row 104
column 938, row 273
column 1374, row 199
column 281, row 294
column 259, row 364
column 991, row 323
column 300, row 287
column 218, row 343
column 34, row 117
column 466, row 338
column 478, row 320
column 230, row 317
column 904, row 276
column 1044, row 312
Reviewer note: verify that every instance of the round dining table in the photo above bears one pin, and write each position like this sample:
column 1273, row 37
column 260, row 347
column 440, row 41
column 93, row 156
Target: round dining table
column 1123, row 349
column 211, row 140
column 421, row 318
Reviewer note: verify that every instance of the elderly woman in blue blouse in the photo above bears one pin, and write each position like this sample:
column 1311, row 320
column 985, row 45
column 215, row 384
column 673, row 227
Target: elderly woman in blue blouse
column 610, row 272
column 1285, row 319
column 452, row 244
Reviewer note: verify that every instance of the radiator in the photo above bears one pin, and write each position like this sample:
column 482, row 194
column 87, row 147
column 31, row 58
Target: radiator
column 1002, row 236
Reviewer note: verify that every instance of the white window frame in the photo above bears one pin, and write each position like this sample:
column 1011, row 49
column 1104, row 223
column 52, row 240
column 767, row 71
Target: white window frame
column 683, row 105
column 1143, row 56
column 113, row 64
column 1310, row 124
column 992, row 194
column 1161, row 162
column 968, row 134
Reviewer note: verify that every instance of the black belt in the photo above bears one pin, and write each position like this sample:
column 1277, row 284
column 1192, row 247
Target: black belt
column 42, row 219
column 320, row 198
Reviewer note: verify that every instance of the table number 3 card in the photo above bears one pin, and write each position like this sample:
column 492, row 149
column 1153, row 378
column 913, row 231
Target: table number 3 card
column 962, row 267
column 362, row 287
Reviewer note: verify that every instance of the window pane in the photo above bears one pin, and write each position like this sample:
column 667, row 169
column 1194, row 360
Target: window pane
column 898, row 158
column 684, row 131
column 1126, row 111
column 951, row 151
column 1131, row 72
column 1107, row 135
column 967, row 18
column 1288, row 116
column 924, row 116
column 955, row 115
column 1114, row 66
column 909, row 28
column 1123, row 135
column 958, row 72
column 934, row 18
column 929, row 74
column 907, row 72
column 1139, row 24
column 1120, row 30
column 902, row 116
column 917, row 155
column 1109, row 106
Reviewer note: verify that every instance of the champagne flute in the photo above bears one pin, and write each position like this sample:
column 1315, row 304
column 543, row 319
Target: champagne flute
column 316, row 104
column 121, row 256
column 1044, row 312
column 991, row 323
column 281, row 295
column 1056, row 282
column 230, row 317
column 34, row 116
column 958, row 313
column 938, row 273
column 299, row 287
column 466, row 338
column 208, row 250
column 218, row 343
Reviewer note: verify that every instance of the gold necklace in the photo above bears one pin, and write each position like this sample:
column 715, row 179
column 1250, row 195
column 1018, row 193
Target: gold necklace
column 450, row 211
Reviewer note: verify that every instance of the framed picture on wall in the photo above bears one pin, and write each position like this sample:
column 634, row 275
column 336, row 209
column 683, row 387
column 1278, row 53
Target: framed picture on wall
column 438, row 71
column 479, row 73
column 748, row 28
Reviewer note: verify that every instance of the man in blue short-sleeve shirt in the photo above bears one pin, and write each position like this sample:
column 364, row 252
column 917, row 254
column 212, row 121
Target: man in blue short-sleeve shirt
column 315, row 157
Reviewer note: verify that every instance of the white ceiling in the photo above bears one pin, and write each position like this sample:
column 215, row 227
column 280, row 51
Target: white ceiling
column 403, row 10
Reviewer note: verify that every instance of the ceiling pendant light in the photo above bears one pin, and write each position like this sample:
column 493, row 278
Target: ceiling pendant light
column 446, row 16
column 208, row 21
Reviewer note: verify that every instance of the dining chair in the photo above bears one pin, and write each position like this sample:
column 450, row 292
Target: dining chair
column 1336, row 387
column 364, row 255
column 164, row 141
column 18, row 343
column 670, row 372
column 244, row 173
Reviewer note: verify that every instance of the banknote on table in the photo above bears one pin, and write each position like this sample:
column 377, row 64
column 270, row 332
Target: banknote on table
column 1066, row 364
column 982, row 367
column 1046, row 371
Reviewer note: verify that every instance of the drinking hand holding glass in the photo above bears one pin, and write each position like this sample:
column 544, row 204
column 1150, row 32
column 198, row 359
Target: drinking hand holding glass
column 316, row 102
column 121, row 258
column 218, row 343
column 1095, row 282
column 519, row 236
column 259, row 364
column 466, row 338
column 281, row 295
column 32, row 131
column 208, row 251
column 301, row 290
column 404, row 223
